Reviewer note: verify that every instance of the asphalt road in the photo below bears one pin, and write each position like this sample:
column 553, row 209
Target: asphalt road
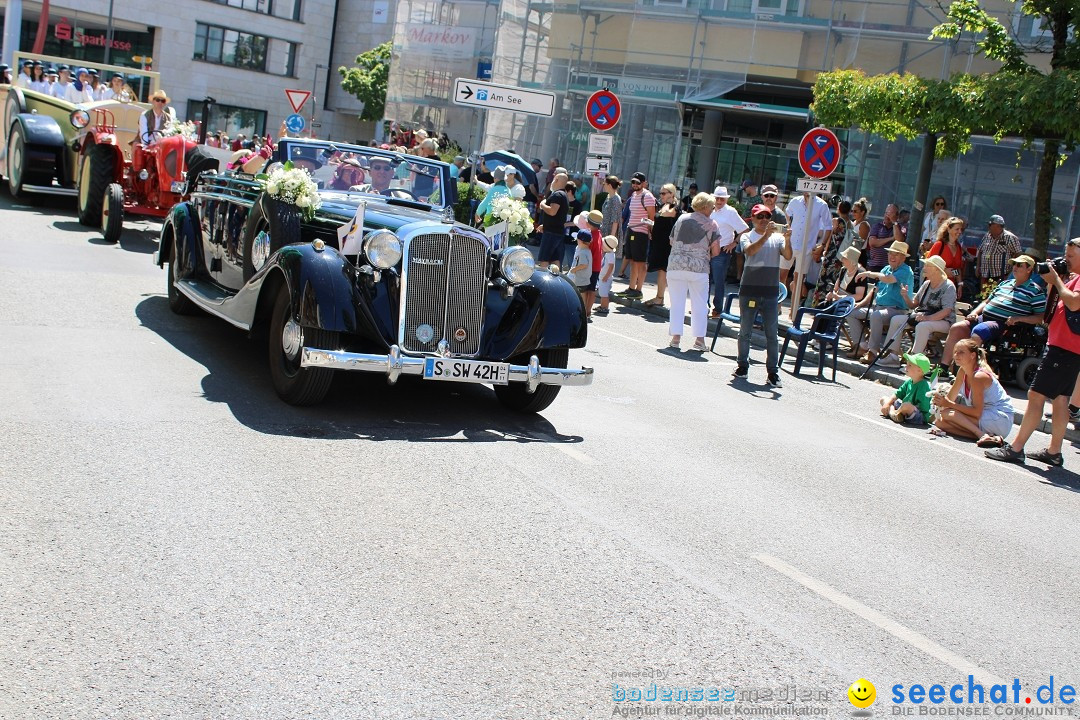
column 177, row 543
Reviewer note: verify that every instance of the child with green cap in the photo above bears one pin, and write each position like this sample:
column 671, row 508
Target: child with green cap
column 911, row 401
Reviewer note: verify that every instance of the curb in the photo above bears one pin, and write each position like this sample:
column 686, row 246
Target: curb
column 849, row 367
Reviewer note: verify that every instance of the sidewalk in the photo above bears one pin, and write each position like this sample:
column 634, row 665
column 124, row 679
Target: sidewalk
column 885, row 376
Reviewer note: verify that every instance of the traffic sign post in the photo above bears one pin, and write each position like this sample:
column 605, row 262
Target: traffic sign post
column 819, row 157
column 503, row 97
column 603, row 110
column 598, row 165
column 297, row 98
column 601, row 144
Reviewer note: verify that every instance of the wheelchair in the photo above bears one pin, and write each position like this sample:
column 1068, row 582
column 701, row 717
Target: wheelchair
column 1016, row 355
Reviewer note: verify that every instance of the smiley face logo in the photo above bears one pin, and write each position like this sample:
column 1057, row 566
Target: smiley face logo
column 862, row 693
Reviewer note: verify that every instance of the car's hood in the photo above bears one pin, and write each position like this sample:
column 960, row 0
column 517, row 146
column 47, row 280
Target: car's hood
column 378, row 214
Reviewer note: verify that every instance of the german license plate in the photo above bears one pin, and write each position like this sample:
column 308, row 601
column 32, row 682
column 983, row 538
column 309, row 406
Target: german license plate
column 179, row 187
column 470, row 371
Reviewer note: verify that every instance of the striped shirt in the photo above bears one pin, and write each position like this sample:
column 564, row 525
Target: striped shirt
column 878, row 256
column 1009, row 300
column 640, row 202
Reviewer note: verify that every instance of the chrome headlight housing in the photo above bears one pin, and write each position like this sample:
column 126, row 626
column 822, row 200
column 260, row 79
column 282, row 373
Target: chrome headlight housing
column 79, row 119
column 516, row 265
column 382, row 249
column 260, row 250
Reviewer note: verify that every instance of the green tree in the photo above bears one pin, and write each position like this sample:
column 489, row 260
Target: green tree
column 368, row 80
column 1019, row 100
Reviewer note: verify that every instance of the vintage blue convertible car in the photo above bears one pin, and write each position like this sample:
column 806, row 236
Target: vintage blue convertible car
column 421, row 295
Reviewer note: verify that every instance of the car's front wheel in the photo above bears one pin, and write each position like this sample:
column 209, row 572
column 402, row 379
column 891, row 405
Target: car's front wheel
column 179, row 303
column 294, row 384
column 517, row 397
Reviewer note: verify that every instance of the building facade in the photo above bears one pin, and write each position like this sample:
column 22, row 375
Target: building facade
column 242, row 53
column 716, row 90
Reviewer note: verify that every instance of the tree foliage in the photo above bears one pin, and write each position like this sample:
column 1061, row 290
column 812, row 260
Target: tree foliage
column 368, row 80
column 1019, row 100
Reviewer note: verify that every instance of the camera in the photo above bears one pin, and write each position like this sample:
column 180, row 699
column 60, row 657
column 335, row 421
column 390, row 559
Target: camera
column 1060, row 265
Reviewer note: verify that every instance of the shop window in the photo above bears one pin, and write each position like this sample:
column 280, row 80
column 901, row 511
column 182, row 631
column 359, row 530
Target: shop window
column 229, row 119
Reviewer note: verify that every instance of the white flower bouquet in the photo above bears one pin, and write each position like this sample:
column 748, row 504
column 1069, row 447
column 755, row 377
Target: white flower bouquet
column 187, row 129
column 516, row 214
column 292, row 185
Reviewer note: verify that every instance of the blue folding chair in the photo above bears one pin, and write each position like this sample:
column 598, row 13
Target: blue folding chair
column 781, row 296
column 825, row 328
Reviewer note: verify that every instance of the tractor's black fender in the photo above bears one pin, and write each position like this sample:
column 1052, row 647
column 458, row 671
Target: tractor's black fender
column 41, row 131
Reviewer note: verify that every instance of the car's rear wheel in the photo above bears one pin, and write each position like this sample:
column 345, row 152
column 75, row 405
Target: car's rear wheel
column 516, row 397
column 112, row 214
column 179, row 303
column 294, row 384
column 25, row 166
column 97, row 169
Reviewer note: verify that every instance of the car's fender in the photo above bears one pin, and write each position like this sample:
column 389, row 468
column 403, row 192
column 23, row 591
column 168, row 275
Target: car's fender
column 40, row 130
column 546, row 312
column 182, row 227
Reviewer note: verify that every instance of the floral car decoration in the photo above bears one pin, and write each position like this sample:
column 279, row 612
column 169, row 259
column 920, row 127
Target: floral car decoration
column 518, row 221
column 293, row 185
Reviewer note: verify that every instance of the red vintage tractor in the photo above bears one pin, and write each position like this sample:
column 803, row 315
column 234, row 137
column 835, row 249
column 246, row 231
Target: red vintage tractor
column 118, row 173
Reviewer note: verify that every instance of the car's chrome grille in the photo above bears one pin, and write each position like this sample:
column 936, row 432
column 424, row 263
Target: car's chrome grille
column 445, row 284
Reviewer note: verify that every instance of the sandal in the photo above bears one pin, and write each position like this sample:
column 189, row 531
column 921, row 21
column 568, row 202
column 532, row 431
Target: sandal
column 655, row 302
column 699, row 347
column 990, row 441
column 675, row 343
column 938, row 432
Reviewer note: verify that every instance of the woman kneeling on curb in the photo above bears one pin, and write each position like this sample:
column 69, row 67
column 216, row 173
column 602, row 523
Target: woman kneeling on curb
column 976, row 406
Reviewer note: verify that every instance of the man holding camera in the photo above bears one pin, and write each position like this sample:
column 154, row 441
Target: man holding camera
column 1017, row 300
column 1057, row 373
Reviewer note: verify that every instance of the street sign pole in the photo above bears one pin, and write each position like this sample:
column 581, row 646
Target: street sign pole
column 819, row 156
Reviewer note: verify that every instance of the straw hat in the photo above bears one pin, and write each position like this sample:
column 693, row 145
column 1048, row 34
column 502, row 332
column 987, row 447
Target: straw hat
column 851, row 254
column 160, row 94
column 938, row 262
column 899, row 246
column 611, row 243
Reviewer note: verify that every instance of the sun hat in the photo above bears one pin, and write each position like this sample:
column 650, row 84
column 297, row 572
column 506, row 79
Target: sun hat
column 1027, row 259
column 160, row 94
column 611, row 243
column 898, row 246
column 938, row 262
column 581, row 220
column 918, row 360
column 851, row 253
column 759, row 208
column 721, row 192
column 595, row 218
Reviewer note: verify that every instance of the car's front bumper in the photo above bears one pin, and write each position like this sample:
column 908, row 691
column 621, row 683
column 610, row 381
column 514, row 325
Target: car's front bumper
column 394, row 365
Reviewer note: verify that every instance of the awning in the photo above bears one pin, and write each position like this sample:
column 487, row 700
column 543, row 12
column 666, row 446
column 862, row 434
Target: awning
column 713, row 97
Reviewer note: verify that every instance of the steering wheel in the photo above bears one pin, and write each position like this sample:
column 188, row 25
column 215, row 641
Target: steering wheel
column 412, row 197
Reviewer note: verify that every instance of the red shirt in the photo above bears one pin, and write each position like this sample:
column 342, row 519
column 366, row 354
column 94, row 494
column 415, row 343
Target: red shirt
column 953, row 261
column 596, row 246
column 1060, row 334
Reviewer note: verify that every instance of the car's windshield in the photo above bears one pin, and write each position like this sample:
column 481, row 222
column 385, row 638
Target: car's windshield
column 354, row 168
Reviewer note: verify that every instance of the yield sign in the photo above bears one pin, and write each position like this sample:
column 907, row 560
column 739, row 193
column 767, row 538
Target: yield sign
column 297, row 98
column 819, row 153
column 603, row 110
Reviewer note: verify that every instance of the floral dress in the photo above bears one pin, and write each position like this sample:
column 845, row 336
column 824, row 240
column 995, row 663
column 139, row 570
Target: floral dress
column 831, row 268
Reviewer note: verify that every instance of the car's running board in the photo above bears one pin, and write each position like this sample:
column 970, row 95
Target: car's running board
column 210, row 298
column 50, row 190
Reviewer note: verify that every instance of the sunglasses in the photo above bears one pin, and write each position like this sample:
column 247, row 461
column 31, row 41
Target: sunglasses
column 380, row 168
column 635, row 182
column 939, row 203
column 769, row 195
column 159, row 100
column 763, row 216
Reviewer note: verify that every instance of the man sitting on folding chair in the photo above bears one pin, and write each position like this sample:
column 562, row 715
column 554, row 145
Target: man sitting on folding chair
column 888, row 301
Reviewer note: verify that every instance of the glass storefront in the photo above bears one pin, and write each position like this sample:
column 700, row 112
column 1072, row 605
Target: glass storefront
column 84, row 42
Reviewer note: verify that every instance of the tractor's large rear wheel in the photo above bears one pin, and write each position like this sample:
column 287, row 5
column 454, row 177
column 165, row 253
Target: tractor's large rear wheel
column 97, row 169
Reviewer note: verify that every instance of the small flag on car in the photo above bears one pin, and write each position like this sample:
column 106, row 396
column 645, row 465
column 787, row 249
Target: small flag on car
column 351, row 234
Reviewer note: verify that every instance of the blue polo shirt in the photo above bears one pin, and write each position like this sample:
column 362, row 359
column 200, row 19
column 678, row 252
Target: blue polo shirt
column 888, row 294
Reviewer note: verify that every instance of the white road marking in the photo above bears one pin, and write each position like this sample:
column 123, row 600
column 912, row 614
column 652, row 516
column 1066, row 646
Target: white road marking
column 997, row 464
column 655, row 346
column 901, row 632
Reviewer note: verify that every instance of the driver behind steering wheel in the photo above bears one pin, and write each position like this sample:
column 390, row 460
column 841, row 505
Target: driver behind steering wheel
column 155, row 120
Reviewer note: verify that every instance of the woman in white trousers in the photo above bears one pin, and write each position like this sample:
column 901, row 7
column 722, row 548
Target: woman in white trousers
column 935, row 311
column 688, row 270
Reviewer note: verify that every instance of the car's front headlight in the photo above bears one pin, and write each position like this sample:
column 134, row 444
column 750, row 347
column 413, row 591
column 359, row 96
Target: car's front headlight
column 382, row 249
column 79, row 119
column 516, row 265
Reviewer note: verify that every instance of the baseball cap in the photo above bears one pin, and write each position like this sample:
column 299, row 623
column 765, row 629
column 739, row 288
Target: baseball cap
column 638, row 176
column 759, row 208
column 769, row 189
column 584, row 236
column 510, row 170
column 1022, row 259
column 918, row 360
column 996, row 220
